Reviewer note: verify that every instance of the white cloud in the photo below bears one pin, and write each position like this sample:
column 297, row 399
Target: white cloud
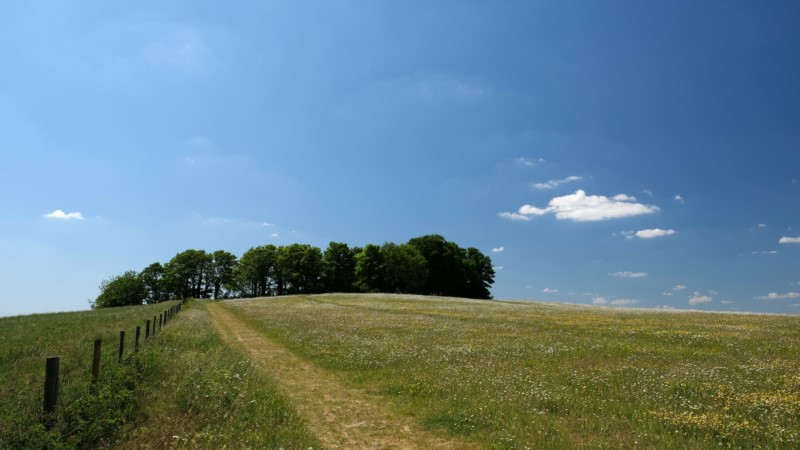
column 624, row 302
column 555, row 183
column 679, row 287
column 528, row 162
column 765, row 252
column 265, row 224
column 498, row 249
column 698, row 298
column 647, row 192
column 629, row 274
column 599, row 301
column 274, row 235
column 514, row 216
column 580, row 207
column 789, row 240
column 653, row 233
column 498, row 267
column 776, row 296
column 679, row 199
column 667, row 294
column 61, row 215
column 762, row 225
column 726, row 302
column 549, row 291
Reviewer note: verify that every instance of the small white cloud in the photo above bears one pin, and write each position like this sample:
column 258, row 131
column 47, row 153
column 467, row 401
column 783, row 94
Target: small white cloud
column 679, row 199
column 726, row 302
column 549, row 291
column 629, row 274
column 679, row 287
column 265, row 224
column 697, row 298
column 762, row 225
column 514, row 216
column 498, row 249
column 765, row 252
column 624, row 302
column 653, row 233
column 498, row 267
column 274, row 235
column 61, row 215
column 528, row 162
column 776, row 296
column 647, row 192
column 599, row 301
column 580, row 207
column 789, row 240
column 667, row 294
column 555, row 183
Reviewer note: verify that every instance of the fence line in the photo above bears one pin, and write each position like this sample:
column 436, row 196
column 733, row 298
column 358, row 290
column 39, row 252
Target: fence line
column 52, row 363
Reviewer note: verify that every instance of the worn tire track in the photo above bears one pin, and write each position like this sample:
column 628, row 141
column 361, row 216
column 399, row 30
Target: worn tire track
column 339, row 416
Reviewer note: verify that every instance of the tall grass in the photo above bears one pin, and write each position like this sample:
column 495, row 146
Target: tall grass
column 184, row 388
column 517, row 375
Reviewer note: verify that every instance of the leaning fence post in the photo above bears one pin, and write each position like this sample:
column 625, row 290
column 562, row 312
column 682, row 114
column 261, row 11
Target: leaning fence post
column 96, row 362
column 121, row 345
column 136, row 341
column 50, row 389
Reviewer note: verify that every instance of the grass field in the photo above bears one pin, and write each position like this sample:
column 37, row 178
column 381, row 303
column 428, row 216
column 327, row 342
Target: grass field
column 184, row 389
column 533, row 375
column 458, row 373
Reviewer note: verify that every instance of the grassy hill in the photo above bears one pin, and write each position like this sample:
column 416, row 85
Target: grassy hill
column 486, row 374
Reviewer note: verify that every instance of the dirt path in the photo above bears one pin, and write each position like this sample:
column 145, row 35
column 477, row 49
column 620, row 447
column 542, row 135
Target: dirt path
column 340, row 416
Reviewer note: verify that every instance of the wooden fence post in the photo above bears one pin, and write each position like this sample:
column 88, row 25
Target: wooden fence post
column 96, row 362
column 160, row 320
column 136, row 342
column 50, row 389
column 121, row 345
column 147, row 331
column 154, row 326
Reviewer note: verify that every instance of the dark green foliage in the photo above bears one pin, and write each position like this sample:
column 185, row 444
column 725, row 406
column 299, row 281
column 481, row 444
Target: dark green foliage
column 221, row 271
column 339, row 267
column 152, row 277
column 300, row 269
column 370, row 269
column 256, row 272
column 123, row 290
column 428, row 265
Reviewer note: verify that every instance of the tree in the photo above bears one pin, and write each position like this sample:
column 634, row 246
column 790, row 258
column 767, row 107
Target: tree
column 256, row 271
column 338, row 267
column 122, row 290
column 370, row 273
column 186, row 274
column 152, row 276
column 221, row 270
column 404, row 268
column 446, row 272
column 479, row 274
column 300, row 269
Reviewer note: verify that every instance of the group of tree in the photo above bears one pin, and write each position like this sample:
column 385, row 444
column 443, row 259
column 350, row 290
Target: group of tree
column 428, row 265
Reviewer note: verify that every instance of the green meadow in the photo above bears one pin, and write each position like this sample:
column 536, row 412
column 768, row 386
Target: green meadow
column 536, row 375
column 491, row 374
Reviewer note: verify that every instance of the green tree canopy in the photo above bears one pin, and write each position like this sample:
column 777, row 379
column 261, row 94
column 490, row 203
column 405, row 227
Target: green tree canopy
column 339, row 267
column 122, row 290
column 152, row 277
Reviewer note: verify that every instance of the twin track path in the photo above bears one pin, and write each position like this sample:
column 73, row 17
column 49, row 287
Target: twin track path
column 339, row 416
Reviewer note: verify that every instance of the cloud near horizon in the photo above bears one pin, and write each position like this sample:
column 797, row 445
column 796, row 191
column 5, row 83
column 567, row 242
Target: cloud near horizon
column 61, row 215
column 580, row 207
column 697, row 299
column 776, row 296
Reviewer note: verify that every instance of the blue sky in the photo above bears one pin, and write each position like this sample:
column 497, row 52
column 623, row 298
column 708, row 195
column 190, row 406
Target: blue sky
column 613, row 153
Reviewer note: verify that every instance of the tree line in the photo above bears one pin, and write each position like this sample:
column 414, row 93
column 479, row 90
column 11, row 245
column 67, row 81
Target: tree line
column 428, row 265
